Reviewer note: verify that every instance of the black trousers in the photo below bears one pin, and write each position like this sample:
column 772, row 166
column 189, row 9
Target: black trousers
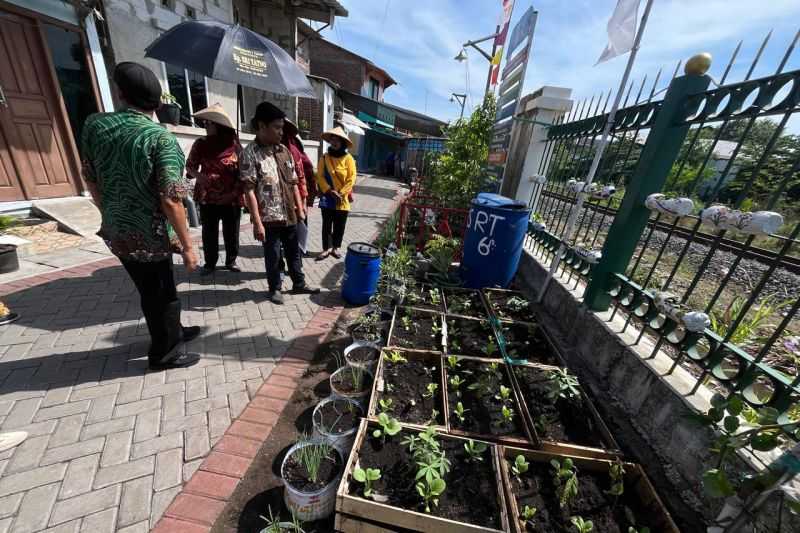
column 230, row 216
column 333, row 224
column 160, row 304
column 273, row 239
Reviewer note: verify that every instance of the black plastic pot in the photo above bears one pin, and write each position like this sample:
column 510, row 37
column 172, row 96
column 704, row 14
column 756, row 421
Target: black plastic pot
column 169, row 114
column 9, row 261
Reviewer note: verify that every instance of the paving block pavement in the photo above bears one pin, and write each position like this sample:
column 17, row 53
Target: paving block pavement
column 111, row 443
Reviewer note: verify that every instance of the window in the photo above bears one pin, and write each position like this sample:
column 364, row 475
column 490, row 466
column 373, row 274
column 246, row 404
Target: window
column 374, row 88
column 190, row 12
column 167, row 4
column 189, row 90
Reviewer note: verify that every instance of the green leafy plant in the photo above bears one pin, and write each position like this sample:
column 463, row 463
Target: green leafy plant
column 474, row 450
column 459, row 411
column 581, row 525
column 747, row 330
column 517, row 304
column 407, row 323
column 430, row 390
column 386, row 405
column 562, row 385
column 490, row 350
column 435, row 296
column 311, row 455
column 389, row 427
column 632, row 529
column 520, row 466
column 528, row 513
column 367, row 477
column 436, row 329
column 394, row 357
column 441, row 251
column 7, row 222
column 504, row 395
column 275, row 525
column 430, row 492
column 543, row 422
column 565, row 478
column 455, row 383
column 452, row 362
column 357, row 375
column 507, row 414
column 169, row 99
column 616, row 471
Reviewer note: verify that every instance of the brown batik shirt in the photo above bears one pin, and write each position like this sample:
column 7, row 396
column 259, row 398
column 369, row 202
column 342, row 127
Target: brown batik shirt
column 270, row 171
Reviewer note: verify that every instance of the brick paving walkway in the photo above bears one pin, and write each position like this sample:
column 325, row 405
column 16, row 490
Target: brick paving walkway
column 111, row 444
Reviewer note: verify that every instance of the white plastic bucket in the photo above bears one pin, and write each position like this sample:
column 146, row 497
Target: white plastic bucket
column 370, row 365
column 309, row 506
column 342, row 441
column 358, row 397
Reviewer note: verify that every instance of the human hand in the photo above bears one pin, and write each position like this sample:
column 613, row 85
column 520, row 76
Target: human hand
column 336, row 194
column 189, row 259
column 259, row 233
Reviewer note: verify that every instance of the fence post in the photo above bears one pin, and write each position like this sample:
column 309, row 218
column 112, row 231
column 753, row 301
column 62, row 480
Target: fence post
column 658, row 154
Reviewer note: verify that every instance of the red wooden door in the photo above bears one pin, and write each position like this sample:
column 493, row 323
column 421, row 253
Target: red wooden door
column 36, row 159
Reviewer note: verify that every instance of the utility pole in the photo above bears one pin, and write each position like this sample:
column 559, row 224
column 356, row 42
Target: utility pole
column 461, row 99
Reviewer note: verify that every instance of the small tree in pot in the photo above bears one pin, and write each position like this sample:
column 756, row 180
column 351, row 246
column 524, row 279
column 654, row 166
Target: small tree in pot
column 170, row 110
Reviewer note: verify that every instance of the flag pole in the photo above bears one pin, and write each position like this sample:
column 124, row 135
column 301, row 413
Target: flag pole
column 567, row 236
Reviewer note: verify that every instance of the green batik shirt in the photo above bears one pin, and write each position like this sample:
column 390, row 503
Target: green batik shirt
column 134, row 162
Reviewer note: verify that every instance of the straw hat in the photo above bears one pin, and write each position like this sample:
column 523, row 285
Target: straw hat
column 290, row 128
column 337, row 132
column 216, row 114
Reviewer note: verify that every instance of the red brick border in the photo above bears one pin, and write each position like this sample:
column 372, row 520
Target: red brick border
column 204, row 497
column 77, row 271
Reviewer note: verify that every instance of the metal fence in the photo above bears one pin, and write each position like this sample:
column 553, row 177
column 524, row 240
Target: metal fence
column 718, row 144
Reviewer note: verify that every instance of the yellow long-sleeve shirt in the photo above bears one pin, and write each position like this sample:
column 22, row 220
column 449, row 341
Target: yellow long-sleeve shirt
column 343, row 172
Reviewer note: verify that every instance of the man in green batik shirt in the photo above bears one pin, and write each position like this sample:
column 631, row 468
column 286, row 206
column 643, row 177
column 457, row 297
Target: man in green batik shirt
column 133, row 167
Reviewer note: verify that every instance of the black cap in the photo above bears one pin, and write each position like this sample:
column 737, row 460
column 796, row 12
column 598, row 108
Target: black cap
column 138, row 85
column 266, row 112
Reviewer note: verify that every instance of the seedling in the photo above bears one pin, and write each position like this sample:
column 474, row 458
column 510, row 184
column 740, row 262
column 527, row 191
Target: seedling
column 632, row 529
column 367, row 477
column 431, row 390
column 338, row 358
column 394, row 357
column 434, row 416
column 543, row 422
column 389, row 387
column 386, row 405
column 430, row 492
column 274, row 524
column 504, row 395
column 455, row 384
column 563, row 385
column 406, row 322
column 357, row 375
column 517, row 304
column 581, row 525
column 528, row 513
column 452, row 362
column 434, row 467
column 389, row 427
column 508, row 415
column 520, row 466
column 459, row 411
column 616, row 471
column 565, row 478
column 491, row 348
column 435, row 296
column 474, row 450
column 455, row 344
column 436, row 329
column 312, row 455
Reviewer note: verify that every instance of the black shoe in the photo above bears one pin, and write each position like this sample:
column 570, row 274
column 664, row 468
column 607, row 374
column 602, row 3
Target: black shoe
column 275, row 297
column 305, row 289
column 180, row 361
column 189, row 333
column 233, row 267
column 207, row 271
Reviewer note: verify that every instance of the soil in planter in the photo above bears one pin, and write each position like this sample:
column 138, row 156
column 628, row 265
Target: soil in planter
column 363, row 354
column 425, row 297
column 296, row 474
column 406, row 384
column 465, row 303
column 483, row 411
column 526, row 341
column 337, row 417
column 370, row 333
column 498, row 301
column 471, row 337
column 345, row 382
column 470, row 495
column 415, row 330
column 536, row 489
column 561, row 421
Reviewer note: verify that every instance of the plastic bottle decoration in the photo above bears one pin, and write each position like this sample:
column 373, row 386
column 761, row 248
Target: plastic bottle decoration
column 755, row 223
column 588, row 256
column 676, row 207
column 693, row 321
column 714, row 216
column 539, row 179
column 575, row 186
column 603, row 193
column 536, row 226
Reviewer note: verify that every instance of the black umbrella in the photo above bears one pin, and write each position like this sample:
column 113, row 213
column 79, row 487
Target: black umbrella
column 231, row 53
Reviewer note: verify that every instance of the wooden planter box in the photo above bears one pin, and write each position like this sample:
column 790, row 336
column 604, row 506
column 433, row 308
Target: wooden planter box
column 362, row 515
column 550, row 357
column 423, row 306
column 448, row 350
column 487, row 298
column 529, row 440
column 635, row 481
column 481, row 313
column 395, row 324
column 379, row 384
column 610, row 449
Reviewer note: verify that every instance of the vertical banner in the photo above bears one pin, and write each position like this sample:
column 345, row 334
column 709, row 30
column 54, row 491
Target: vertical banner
column 511, row 84
column 499, row 41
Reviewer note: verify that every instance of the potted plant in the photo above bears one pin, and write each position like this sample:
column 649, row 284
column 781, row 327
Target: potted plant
column 170, row 110
column 9, row 259
column 362, row 353
column 275, row 525
column 304, row 128
column 352, row 382
column 368, row 328
column 335, row 421
column 441, row 252
column 311, row 472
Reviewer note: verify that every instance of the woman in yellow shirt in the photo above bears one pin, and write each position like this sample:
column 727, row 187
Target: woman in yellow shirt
column 336, row 176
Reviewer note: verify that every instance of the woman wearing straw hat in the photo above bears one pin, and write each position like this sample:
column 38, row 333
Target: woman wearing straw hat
column 336, row 176
column 213, row 161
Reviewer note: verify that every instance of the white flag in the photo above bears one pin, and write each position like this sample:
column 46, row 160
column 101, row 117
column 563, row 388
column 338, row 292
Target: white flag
column 621, row 29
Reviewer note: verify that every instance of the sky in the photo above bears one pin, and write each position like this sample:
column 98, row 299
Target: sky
column 416, row 41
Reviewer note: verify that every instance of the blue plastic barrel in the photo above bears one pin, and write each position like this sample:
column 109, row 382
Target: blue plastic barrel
column 493, row 243
column 362, row 267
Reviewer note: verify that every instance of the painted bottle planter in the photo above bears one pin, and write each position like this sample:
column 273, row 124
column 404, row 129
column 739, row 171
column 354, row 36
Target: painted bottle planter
column 336, row 421
column 675, row 207
column 721, row 217
column 310, row 500
column 603, row 193
column 589, row 256
column 539, row 179
column 537, row 227
column 694, row 321
column 575, row 186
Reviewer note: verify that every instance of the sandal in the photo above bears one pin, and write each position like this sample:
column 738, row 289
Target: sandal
column 336, row 254
column 323, row 255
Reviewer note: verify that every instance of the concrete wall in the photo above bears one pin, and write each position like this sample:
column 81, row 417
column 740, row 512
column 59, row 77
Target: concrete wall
column 134, row 24
column 645, row 407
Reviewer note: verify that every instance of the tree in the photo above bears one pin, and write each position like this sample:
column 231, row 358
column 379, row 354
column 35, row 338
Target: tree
column 457, row 172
